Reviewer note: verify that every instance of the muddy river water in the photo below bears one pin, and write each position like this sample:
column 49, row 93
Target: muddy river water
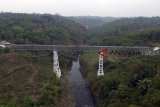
column 80, row 89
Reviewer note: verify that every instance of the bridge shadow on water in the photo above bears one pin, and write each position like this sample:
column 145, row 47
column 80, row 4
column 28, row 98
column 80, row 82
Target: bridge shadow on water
column 80, row 89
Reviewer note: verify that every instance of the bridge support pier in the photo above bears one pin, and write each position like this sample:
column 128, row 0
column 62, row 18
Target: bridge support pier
column 56, row 67
column 100, row 69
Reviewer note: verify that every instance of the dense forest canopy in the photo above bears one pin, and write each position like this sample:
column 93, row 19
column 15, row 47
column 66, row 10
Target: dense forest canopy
column 40, row 29
column 56, row 29
column 128, row 31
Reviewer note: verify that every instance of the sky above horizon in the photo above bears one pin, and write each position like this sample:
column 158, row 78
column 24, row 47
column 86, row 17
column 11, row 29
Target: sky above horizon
column 115, row 8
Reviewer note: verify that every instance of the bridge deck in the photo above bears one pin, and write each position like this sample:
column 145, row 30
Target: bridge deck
column 77, row 48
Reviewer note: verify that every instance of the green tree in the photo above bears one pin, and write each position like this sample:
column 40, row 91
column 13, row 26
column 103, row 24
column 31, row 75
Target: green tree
column 144, row 85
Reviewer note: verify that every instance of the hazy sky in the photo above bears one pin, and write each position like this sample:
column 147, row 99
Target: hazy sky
column 116, row 8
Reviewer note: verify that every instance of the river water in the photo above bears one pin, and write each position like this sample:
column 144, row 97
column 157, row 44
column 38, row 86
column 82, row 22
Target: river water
column 80, row 89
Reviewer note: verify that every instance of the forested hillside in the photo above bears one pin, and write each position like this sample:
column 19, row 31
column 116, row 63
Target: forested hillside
column 27, row 81
column 24, row 83
column 128, row 31
column 51, row 29
column 40, row 29
column 127, row 83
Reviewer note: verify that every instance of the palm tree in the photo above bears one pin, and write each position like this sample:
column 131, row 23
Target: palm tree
column 144, row 85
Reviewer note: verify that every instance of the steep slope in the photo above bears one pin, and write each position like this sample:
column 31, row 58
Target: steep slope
column 30, row 82
column 127, row 83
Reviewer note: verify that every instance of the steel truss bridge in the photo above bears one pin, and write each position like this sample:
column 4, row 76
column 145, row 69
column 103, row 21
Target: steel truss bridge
column 77, row 47
column 56, row 48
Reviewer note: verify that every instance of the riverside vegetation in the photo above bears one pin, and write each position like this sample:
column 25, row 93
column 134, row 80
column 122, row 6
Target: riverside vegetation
column 130, row 82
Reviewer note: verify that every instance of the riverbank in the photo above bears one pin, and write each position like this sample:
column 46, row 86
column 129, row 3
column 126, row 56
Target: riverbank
column 123, row 82
column 67, row 95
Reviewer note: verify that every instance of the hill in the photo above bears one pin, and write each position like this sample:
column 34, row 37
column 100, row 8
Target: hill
column 54, row 29
column 40, row 29
column 140, row 31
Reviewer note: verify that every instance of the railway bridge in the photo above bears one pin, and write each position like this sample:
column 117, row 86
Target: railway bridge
column 132, row 50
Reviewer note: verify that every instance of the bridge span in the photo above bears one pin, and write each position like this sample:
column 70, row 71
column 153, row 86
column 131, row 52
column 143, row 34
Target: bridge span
column 78, row 48
column 56, row 48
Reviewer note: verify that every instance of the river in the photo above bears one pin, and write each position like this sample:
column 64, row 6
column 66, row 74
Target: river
column 80, row 89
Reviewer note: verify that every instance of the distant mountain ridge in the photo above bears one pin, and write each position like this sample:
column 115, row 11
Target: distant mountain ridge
column 92, row 21
column 77, row 30
column 40, row 29
column 128, row 31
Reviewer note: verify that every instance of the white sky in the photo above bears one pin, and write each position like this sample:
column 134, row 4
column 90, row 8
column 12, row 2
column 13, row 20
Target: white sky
column 118, row 8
